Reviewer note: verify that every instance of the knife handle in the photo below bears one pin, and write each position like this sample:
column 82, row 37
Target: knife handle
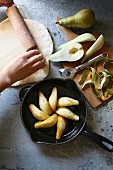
column 90, row 62
column 21, row 28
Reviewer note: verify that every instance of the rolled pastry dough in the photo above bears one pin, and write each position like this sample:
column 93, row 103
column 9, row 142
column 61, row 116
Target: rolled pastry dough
column 11, row 47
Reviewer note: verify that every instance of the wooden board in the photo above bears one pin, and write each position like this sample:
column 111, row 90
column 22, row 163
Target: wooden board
column 87, row 92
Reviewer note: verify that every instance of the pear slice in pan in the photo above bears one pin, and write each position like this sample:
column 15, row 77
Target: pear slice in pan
column 53, row 99
column 67, row 113
column 37, row 113
column 67, row 101
column 51, row 121
column 61, row 125
column 44, row 104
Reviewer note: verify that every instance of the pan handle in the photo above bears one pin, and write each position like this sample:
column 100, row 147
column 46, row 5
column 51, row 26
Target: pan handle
column 23, row 91
column 100, row 140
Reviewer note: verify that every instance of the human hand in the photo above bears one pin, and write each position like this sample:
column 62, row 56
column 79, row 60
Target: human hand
column 23, row 66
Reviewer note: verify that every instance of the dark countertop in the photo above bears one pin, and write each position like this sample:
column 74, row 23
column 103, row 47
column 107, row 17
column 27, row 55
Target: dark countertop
column 17, row 151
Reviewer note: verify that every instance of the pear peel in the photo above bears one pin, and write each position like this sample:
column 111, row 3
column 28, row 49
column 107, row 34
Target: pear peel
column 72, row 52
column 81, row 38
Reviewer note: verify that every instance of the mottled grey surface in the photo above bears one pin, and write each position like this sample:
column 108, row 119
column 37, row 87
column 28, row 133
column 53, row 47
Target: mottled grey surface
column 17, row 151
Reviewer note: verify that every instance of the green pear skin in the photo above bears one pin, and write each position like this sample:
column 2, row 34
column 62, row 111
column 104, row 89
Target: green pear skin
column 85, row 18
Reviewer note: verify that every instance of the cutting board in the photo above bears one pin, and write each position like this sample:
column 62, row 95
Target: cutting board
column 87, row 92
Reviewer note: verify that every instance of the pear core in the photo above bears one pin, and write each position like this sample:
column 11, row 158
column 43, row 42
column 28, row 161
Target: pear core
column 73, row 50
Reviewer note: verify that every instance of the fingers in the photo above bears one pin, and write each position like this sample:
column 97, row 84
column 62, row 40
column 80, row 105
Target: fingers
column 39, row 65
column 37, row 61
column 35, row 58
column 30, row 54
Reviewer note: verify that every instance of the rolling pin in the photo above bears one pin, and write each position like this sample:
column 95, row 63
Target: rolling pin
column 6, row 3
column 21, row 28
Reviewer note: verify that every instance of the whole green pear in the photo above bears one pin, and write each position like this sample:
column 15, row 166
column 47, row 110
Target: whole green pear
column 85, row 18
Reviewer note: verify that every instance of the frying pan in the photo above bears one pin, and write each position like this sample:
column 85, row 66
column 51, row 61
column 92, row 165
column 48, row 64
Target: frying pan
column 67, row 88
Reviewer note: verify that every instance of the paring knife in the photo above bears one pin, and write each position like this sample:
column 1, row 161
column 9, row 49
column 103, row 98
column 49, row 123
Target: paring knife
column 69, row 73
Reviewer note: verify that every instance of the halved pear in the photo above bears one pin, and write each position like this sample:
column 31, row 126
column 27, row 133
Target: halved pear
column 51, row 121
column 37, row 113
column 67, row 101
column 53, row 99
column 81, row 38
column 67, row 113
column 72, row 52
column 44, row 104
column 61, row 125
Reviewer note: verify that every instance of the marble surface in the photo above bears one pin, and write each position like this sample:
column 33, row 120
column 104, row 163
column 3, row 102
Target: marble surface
column 17, row 151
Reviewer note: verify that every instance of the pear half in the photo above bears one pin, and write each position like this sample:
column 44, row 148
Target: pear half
column 79, row 39
column 72, row 52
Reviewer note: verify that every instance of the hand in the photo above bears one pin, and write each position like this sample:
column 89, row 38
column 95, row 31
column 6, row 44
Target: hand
column 22, row 67
column 25, row 65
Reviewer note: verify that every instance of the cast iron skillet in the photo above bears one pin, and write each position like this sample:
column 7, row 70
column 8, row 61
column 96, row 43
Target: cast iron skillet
column 29, row 94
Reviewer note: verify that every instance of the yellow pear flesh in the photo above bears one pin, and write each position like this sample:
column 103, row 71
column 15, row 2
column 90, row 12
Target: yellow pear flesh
column 67, row 113
column 67, row 101
column 61, row 125
column 44, row 104
column 38, row 114
column 72, row 52
column 85, row 18
column 53, row 99
column 51, row 121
